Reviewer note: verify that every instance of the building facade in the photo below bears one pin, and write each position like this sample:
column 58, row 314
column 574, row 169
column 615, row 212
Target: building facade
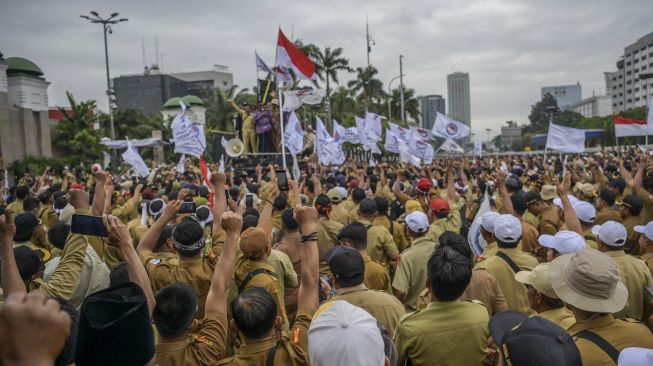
column 565, row 95
column 511, row 134
column 24, row 122
column 631, row 86
column 201, row 83
column 459, row 98
column 429, row 106
column 595, row 106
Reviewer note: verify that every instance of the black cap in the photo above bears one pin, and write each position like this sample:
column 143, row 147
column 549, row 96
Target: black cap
column 347, row 265
column 114, row 328
column 618, row 183
column 513, row 183
column 519, row 202
column 358, row 194
column 28, row 261
column 634, row 203
column 25, row 222
column 532, row 197
column 367, row 207
column 608, row 196
column 532, row 341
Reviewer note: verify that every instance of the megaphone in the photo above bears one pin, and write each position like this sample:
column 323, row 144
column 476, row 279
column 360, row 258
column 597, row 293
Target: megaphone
column 235, row 147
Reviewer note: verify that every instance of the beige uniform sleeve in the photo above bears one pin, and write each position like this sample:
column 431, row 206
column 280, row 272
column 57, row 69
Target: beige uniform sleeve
column 389, row 246
column 289, row 274
column 65, row 278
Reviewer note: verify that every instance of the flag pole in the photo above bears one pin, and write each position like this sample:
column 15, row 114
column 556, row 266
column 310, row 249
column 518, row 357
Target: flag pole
column 283, row 139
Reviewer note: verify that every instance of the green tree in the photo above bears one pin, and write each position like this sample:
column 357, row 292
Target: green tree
column 411, row 104
column 76, row 132
column 368, row 88
column 343, row 104
column 133, row 124
column 541, row 113
column 331, row 62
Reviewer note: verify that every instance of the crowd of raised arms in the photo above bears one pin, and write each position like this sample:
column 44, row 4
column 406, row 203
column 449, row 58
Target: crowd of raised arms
column 499, row 260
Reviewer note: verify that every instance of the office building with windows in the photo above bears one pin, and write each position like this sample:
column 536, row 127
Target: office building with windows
column 566, row 95
column 459, row 98
column 631, row 86
column 429, row 106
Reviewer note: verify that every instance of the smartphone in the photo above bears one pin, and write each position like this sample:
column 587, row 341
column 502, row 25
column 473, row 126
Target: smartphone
column 282, row 180
column 187, row 207
column 249, row 200
column 193, row 192
column 88, row 225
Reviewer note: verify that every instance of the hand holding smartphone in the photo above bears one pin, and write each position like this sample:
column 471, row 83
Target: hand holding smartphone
column 282, row 180
column 88, row 225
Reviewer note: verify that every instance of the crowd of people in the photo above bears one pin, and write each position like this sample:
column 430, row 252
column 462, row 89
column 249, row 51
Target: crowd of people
column 345, row 265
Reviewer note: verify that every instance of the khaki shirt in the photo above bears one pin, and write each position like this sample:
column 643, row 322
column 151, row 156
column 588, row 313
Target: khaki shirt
column 636, row 277
column 489, row 251
column 410, row 277
column 15, row 207
column 632, row 241
column 443, row 333
column 384, row 307
column 607, row 214
column 338, row 214
column 292, row 347
column 619, row 333
column 206, row 345
column 65, row 278
column 559, row 316
column 327, row 232
column 549, row 221
column 449, row 223
column 590, row 239
column 275, row 220
column 376, row 276
column 515, row 292
column 394, row 228
column 126, row 212
column 267, row 282
column 380, row 245
column 294, row 254
column 648, row 259
column 531, row 219
column 283, row 269
column 647, row 213
column 528, row 243
column 47, row 216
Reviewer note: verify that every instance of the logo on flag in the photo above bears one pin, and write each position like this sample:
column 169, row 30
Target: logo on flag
column 452, row 129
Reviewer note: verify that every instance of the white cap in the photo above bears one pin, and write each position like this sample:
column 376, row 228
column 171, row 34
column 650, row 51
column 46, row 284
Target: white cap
column 635, row 356
column 417, row 222
column 343, row 192
column 344, row 334
column 558, row 202
column 585, row 211
column 564, row 242
column 507, row 228
column 488, row 219
column 647, row 230
column 611, row 233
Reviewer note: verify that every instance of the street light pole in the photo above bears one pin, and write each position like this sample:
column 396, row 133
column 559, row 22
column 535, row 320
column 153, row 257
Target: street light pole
column 390, row 94
column 401, row 88
column 106, row 27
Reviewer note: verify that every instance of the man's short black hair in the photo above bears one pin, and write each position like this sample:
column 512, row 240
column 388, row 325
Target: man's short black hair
column 44, row 197
column 503, row 244
column 186, row 233
column 382, row 205
column 66, row 356
column 22, row 192
column 251, row 211
column 30, row 203
column 280, row 202
column 357, row 195
column 164, row 235
column 449, row 272
column 118, row 274
column 175, row 309
column 58, row 233
column 357, row 233
column 458, row 242
column 249, row 221
column 288, row 221
column 255, row 312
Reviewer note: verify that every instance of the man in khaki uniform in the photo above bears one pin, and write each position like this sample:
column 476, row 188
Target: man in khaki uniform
column 394, row 228
column 17, row 206
column 283, row 269
column 327, row 231
column 547, row 213
column 646, row 244
column 508, row 261
column 447, row 331
column 629, row 210
column 347, row 274
column 487, row 232
column 380, row 245
column 250, row 138
column 338, row 212
column 376, row 275
column 635, row 275
column 542, row 298
column 46, row 213
column 445, row 216
column 411, row 275
column 588, row 282
column 605, row 203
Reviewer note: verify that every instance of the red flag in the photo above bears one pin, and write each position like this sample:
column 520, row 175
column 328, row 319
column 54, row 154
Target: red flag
column 291, row 57
column 629, row 127
column 618, row 120
column 206, row 178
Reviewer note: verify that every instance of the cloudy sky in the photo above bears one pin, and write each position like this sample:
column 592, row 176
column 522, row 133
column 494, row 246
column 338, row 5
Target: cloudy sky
column 510, row 47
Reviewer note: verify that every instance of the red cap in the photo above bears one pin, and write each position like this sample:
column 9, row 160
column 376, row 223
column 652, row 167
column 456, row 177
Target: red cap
column 76, row 186
column 353, row 184
column 439, row 205
column 424, row 185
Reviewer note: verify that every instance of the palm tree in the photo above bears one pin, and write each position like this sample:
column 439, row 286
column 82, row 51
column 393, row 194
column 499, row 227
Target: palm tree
column 219, row 112
column 76, row 132
column 411, row 104
column 367, row 87
column 133, row 124
column 331, row 62
column 343, row 102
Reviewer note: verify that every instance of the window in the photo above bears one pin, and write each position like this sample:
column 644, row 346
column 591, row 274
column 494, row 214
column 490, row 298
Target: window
column 637, row 99
column 629, row 73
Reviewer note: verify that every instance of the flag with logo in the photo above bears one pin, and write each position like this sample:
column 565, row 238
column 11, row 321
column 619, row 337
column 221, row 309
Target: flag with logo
column 423, row 133
column 289, row 57
column 372, row 130
column 417, row 146
column 328, row 150
column 448, row 128
column 478, row 148
column 391, row 142
column 188, row 137
column 565, row 139
column 451, row 146
column 133, row 158
column 293, row 135
column 339, row 132
column 398, row 131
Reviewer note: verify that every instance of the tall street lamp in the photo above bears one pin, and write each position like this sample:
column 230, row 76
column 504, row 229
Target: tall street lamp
column 106, row 26
column 390, row 95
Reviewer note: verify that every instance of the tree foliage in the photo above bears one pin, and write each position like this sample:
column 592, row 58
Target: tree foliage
column 76, row 133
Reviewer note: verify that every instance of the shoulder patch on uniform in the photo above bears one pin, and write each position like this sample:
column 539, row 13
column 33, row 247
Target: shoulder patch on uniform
column 154, row 261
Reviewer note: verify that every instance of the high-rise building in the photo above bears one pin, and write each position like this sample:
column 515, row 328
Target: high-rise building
column 566, row 95
column 631, row 85
column 429, row 106
column 458, row 95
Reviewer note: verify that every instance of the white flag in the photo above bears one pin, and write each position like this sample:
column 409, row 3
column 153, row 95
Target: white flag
column 450, row 145
column 328, row 150
column 398, row 131
column 181, row 165
column 417, row 146
column 224, row 142
column 360, row 125
column 133, row 158
column 565, row 139
column 294, row 99
column 372, row 130
column 375, row 149
column 423, row 133
column 339, row 132
column 391, row 142
column 428, row 155
column 478, row 148
column 448, row 128
column 296, row 173
column 293, row 135
column 221, row 166
column 474, row 237
column 188, row 137
column 143, row 214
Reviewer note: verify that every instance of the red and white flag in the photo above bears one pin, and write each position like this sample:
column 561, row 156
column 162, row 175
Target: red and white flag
column 291, row 57
column 206, row 178
column 629, row 127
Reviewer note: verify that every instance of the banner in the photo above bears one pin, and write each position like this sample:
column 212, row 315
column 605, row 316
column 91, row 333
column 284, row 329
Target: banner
column 188, row 137
column 133, row 158
column 339, row 132
column 399, row 132
column 565, row 139
column 417, row 146
column 294, row 99
column 478, row 148
column 450, row 145
column 372, row 130
column 428, row 155
column 448, row 128
column 423, row 133
column 328, row 150
column 474, row 237
column 391, row 142
column 293, row 135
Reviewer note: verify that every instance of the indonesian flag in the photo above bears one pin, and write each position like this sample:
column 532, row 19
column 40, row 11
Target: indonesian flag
column 290, row 57
column 629, row 127
column 206, row 178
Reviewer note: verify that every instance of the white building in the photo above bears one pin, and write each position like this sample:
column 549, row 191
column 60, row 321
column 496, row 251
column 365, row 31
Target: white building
column 596, row 106
column 200, row 81
column 565, row 95
column 631, row 85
